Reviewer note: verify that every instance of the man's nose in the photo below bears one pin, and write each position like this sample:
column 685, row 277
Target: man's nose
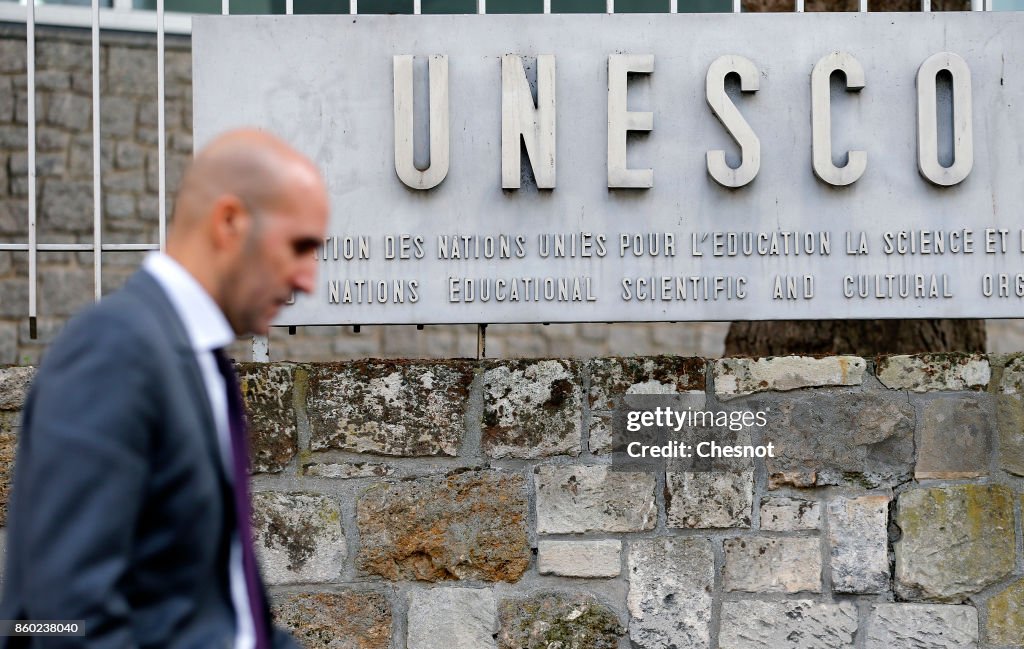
column 305, row 275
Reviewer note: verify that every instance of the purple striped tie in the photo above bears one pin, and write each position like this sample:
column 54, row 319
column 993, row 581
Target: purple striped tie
column 240, row 466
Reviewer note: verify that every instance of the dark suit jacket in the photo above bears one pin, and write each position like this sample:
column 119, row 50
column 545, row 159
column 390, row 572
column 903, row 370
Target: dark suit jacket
column 121, row 511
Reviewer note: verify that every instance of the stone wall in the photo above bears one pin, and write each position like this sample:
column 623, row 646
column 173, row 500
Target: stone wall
column 471, row 504
column 129, row 180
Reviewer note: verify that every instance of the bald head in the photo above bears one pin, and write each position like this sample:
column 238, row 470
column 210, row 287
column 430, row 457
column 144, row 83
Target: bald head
column 248, row 217
column 250, row 164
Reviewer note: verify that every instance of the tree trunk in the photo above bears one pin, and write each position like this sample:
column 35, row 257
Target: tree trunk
column 860, row 337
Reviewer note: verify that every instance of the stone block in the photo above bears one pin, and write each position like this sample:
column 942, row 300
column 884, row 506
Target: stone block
column 8, row 343
column 532, row 409
column 1010, row 423
column 858, row 537
column 580, row 558
column 452, row 618
column 388, row 407
column 6, row 102
column 48, row 165
column 46, row 329
column 66, row 206
column 14, row 386
column 80, row 162
column 65, row 291
column 837, row 437
column 468, row 525
column 117, row 116
column 349, row 619
column 129, row 155
column 63, row 54
column 130, row 71
column 799, row 623
column 81, row 81
column 670, row 585
column 922, row 626
column 12, row 55
column 784, row 514
column 1005, row 619
column 709, row 499
column 1012, row 381
column 73, row 112
column 740, row 376
column 14, row 221
column 128, row 182
column 593, row 498
column 119, row 206
column 772, row 565
column 52, row 140
column 178, row 67
column 273, row 432
column 353, row 470
column 181, row 142
column 13, row 298
column 929, row 372
column 548, row 620
column 8, row 444
column 13, row 137
column 600, row 442
column 55, row 80
column 954, row 437
column 956, row 541
column 19, row 187
column 613, row 377
column 298, row 537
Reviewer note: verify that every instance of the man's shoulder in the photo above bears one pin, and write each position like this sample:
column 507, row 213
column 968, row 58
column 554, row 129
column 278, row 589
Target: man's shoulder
column 129, row 318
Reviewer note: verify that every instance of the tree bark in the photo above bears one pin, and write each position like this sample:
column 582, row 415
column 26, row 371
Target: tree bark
column 860, row 337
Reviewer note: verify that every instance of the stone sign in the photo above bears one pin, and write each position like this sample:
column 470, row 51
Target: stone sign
column 592, row 168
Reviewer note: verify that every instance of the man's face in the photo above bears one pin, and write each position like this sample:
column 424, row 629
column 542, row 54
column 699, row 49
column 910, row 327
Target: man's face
column 277, row 259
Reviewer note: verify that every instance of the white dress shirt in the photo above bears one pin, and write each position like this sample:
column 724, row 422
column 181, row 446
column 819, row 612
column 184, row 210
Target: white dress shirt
column 208, row 330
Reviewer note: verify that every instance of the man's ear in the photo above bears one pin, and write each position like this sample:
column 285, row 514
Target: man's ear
column 230, row 222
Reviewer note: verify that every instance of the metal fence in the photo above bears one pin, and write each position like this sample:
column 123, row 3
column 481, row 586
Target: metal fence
column 122, row 16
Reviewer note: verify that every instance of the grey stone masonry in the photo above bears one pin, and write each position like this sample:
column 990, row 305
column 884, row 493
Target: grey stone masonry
column 954, row 437
column 388, row 408
column 785, row 514
column 955, row 541
column 670, row 583
column 709, row 499
column 593, row 498
column 452, row 618
column 929, row 372
column 791, row 623
column 532, row 409
column 298, row 537
column 739, row 376
column 922, row 626
column 772, row 565
column 475, row 504
column 858, row 537
column 580, row 558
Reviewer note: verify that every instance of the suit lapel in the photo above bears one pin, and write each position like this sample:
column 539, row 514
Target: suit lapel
column 145, row 288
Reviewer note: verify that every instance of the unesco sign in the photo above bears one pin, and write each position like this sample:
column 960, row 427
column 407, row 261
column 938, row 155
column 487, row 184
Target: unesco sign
column 585, row 168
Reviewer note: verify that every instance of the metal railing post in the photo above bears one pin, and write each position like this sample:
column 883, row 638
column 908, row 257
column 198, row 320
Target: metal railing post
column 30, row 64
column 97, row 196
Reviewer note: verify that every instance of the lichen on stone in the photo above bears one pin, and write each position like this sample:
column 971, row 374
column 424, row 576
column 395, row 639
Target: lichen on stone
column 397, row 408
column 532, row 408
column 552, row 620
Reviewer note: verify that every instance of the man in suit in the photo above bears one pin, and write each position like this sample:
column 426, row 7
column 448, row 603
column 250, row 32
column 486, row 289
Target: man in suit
column 130, row 506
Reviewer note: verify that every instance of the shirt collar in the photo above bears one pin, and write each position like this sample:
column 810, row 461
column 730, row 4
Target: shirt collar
column 205, row 323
